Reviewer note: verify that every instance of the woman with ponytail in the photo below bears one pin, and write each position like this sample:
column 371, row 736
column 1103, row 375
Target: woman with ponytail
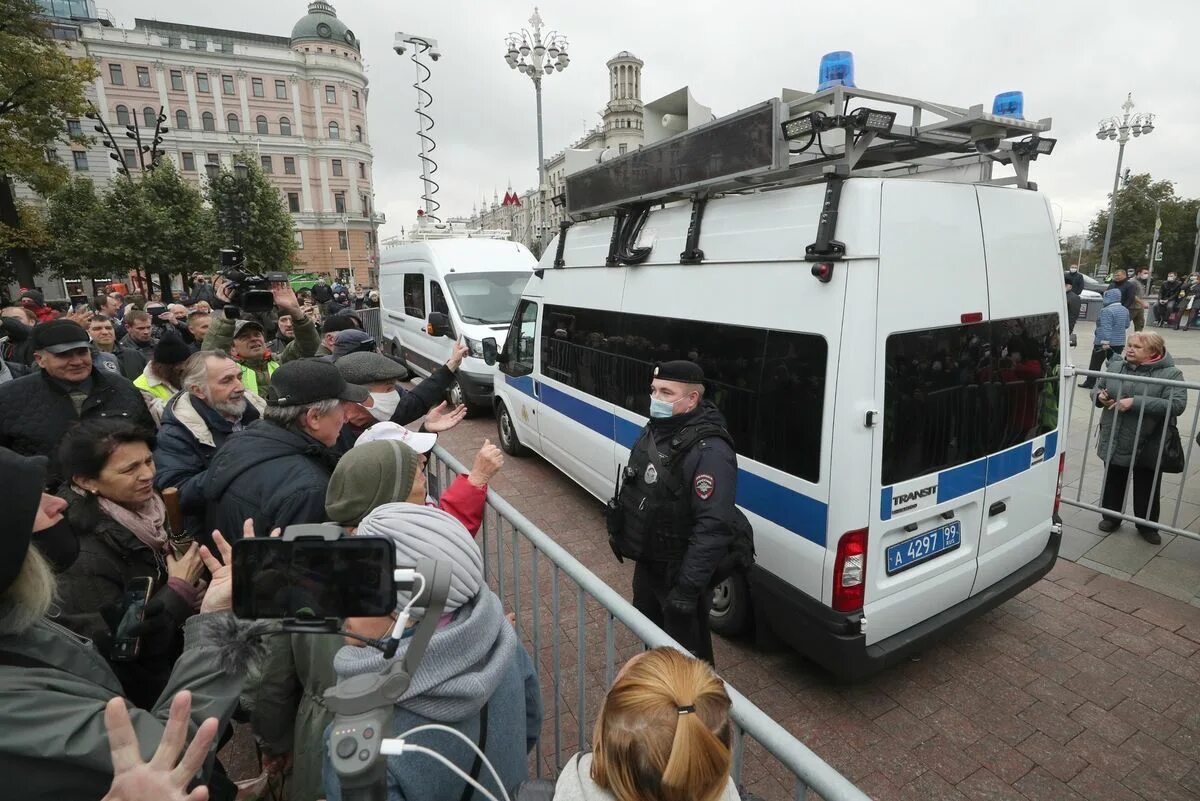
column 662, row 735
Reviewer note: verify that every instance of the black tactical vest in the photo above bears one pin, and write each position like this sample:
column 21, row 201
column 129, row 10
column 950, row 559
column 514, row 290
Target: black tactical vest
column 656, row 511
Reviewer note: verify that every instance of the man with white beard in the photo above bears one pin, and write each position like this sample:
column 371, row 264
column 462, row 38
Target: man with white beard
column 196, row 423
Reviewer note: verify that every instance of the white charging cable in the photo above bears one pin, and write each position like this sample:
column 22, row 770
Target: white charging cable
column 402, row 620
column 482, row 756
column 395, row 747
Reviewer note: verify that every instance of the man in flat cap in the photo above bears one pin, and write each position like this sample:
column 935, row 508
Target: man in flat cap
column 675, row 514
column 246, row 340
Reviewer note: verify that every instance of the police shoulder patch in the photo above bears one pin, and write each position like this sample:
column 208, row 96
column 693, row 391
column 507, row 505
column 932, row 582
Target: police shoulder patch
column 704, row 486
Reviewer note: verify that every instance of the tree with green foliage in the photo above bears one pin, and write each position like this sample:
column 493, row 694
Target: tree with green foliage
column 75, row 225
column 182, row 241
column 251, row 212
column 1133, row 226
column 41, row 84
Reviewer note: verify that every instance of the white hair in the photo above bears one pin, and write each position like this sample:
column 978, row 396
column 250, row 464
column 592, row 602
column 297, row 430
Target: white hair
column 288, row 416
column 30, row 597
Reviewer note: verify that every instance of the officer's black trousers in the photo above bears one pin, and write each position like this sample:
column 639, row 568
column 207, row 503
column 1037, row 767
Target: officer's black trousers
column 652, row 581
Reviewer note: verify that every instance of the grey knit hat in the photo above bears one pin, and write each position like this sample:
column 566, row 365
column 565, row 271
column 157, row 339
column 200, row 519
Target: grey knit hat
column 423, row 532
column 370, row 475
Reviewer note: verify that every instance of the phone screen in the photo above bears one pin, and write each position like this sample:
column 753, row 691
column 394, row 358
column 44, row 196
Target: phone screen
column 314, row 579
column 133, row 611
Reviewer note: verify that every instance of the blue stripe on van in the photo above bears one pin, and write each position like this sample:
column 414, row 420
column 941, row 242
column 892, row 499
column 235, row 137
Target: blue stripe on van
column 785, row 507
column 1051, row 445
column 885, row 504
column 962, row 480
column 1009, row 463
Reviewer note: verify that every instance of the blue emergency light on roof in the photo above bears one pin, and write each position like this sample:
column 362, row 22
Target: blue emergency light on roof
column 836, row 68
column 1009, row 104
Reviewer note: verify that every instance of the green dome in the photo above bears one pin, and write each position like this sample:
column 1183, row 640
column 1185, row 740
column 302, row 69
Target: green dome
column 322, row 25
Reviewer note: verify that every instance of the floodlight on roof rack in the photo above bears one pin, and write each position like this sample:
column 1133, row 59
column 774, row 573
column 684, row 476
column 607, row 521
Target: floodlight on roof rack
column 798, row 127
column 1034, row 146
column 866, row 119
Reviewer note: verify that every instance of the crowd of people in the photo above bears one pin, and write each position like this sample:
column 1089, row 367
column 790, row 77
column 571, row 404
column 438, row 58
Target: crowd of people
column 140, row 439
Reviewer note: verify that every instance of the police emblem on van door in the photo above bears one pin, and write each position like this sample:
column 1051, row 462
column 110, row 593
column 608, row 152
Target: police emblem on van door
column 651, row 474
column 704, row 486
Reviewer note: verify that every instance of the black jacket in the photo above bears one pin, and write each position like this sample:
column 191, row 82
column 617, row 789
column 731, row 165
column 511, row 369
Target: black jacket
column 1075, row 280
column 132, row 362
column 18, row 348
column 146, row 350
column 701, row 513
column 189, row 436
column 414, row 404
column 91, row 589
column 36, row 411
column 274, row 475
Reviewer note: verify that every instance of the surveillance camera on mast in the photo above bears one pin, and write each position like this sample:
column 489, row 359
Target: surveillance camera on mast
column 425, row 45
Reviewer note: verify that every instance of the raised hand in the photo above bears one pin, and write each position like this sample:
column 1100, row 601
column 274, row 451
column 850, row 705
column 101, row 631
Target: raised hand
column 165, row 777
column 443, row 418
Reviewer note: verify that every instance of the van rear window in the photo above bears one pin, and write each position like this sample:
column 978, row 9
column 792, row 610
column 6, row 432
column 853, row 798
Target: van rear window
column 769, row 384
column 956, row 394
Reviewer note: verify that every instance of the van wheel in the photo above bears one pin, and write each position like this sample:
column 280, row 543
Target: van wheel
column 730, row 613
column 508, row 433
column 456, row 397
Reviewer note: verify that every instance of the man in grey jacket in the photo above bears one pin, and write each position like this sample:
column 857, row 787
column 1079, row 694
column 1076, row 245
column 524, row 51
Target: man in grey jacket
column 54, row 685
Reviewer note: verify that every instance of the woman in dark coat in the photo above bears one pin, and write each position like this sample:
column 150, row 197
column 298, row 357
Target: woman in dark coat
column 120, row 523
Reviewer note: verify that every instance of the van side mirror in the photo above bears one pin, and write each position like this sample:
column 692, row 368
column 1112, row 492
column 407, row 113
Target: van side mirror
column 438, row 325
column 491, row 351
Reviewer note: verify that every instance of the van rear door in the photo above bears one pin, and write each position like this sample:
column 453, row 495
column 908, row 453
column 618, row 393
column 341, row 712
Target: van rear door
column 928, row 473
column 1027, row 309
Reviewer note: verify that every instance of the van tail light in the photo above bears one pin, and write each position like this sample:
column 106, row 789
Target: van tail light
column 850, row 571
column 1062, row 467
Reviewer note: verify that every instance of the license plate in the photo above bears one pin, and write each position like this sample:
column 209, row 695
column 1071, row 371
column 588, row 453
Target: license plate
column 923, row 547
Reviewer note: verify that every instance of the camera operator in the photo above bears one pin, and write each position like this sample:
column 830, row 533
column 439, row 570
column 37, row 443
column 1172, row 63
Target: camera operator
column 246, row 341
column 54, row 686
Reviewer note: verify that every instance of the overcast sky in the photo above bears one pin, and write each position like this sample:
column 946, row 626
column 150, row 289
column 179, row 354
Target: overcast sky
column 1074, row 59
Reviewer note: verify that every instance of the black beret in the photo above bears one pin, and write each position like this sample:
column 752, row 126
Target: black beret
column 679, row 370
column 171, row 350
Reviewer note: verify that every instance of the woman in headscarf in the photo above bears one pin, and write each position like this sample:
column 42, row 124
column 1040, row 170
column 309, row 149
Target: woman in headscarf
column 475, row 676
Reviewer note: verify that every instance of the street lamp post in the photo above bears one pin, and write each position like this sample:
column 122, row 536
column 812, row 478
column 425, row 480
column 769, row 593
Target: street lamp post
column 536, row 54
column 1120, row 129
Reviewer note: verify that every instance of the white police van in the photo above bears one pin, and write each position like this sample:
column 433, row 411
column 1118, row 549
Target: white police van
column 433, row 291
column 886, row 351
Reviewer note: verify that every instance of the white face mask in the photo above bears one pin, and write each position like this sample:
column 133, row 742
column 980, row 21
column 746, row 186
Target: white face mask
column 383, row 405
column 1074, row 269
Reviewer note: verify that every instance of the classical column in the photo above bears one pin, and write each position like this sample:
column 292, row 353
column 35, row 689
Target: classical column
column 189, row 83
column 247, row 123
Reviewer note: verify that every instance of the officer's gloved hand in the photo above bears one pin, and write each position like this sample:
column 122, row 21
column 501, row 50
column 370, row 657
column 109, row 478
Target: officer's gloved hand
column 682, row 602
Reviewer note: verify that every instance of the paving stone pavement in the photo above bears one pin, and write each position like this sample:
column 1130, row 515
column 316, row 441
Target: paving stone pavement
column 1172, row 567
column 1085, row 686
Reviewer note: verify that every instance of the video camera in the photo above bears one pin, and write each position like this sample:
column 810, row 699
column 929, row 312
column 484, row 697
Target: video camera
column 248, row 291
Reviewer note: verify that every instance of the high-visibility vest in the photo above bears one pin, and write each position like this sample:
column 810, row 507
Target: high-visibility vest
column 250, row 378
column 160, row 391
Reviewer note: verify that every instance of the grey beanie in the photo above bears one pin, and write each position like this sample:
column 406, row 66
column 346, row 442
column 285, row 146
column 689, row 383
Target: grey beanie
column 423, row 532
column 370, row 475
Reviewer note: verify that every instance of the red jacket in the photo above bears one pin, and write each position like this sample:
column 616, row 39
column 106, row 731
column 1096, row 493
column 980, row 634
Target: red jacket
column 44, row 313
column 463, row 501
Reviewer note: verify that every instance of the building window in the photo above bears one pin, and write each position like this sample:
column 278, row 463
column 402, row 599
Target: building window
column 114, row 75
column 81, row 162
column 130, row 157
column 143, row 74
column 366, row 212
column 177, row 80
column 358, row 133
column 189, row 162
column 335, row 131
column 212, row 158
column 299, row 240
column 149, row 117
column 260, row 122
column 227, row 84
column 208, row 121
column 267, row 166
column 621, row 148
column 52, row 156
column 330, row 94
column 368, row 242
column 232, row 124
column 122, row 115
column 256, row 87
column 354, row 96
column 289, row 165
column 281, row 90
column 181, row 120
column 174, row 41
column 285, row 126
column 74, row 128
column 202, row 82
column 362, row 169
column 294, row 202
column 343, row 241
column 337, row 168
column 339, row 202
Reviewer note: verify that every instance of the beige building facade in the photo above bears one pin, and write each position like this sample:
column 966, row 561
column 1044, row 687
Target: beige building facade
column 297, row 104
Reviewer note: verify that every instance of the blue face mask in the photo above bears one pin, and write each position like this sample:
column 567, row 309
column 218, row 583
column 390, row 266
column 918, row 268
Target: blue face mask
column 660, row 408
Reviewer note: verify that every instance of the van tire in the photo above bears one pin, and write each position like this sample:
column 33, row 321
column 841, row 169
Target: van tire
column 732, row 608
column 507, row 432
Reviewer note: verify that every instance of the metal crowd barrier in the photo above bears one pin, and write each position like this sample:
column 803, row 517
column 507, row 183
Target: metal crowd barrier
column 371, row 322
column 1088, row 458
column 521, row 582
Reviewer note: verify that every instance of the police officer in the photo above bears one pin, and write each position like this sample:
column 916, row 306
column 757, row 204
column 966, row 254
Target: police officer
column 675, row 514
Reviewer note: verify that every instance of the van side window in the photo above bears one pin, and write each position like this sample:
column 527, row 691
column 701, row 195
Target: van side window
column 770, row 385
column 519, row 345
column 437, row 301
column 953, row 395
column 414, row 295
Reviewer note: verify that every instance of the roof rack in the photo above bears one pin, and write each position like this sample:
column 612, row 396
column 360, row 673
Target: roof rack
column 803, row 138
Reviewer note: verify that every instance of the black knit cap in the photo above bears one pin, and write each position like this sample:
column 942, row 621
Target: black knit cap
column 679, row 370
column 170, row 350
column 23, row 478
